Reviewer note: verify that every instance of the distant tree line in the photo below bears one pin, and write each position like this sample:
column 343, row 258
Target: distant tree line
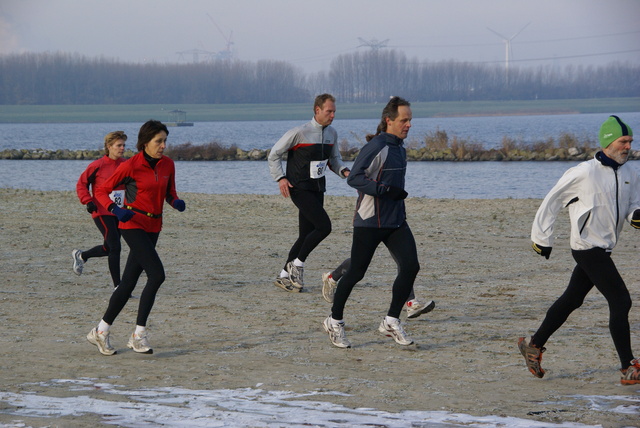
column 360, row 77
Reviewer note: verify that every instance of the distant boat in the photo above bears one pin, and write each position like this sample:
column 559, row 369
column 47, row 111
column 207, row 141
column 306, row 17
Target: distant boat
column 178, row 118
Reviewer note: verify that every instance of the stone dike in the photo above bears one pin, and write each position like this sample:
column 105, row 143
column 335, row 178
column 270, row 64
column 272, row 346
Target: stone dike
column 420, row 154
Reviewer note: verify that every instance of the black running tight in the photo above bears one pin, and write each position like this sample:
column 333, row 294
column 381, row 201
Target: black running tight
column 344, row 267
column 402, row 246
column 108, row 227
column 314, row 223
column 594, row 268
column 142, row 257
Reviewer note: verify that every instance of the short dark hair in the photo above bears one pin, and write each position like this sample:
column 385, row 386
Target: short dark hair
column 321, row 99
column 390, row 111
column 148, row 130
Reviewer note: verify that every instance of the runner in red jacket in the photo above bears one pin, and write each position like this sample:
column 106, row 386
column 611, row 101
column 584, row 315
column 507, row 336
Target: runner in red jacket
column 93, row 177
column 149, row 180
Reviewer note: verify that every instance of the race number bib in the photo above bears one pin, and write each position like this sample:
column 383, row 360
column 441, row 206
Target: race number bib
column 318, row 168
column 117, row 196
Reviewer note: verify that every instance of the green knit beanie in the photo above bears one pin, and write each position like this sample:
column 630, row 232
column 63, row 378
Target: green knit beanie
column 612, row 129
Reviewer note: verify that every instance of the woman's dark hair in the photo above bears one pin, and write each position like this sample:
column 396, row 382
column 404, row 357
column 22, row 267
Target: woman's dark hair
column 148, row 130
column 389, row 111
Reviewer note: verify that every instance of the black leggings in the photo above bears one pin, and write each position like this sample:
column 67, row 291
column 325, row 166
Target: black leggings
column 314, row 223
column 142, row 257
column 594, row 268
column 401, row 245
column 344, row 267
column 108, row 227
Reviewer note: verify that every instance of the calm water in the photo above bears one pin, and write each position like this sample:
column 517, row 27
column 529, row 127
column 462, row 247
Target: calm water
column 488, row 131
column 458, row 180
column 486, row 180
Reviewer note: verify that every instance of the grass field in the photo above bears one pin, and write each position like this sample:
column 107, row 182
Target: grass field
column 232, row 112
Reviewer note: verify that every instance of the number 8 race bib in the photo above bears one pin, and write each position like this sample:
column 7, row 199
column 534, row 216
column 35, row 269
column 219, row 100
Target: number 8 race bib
column 318, row 168
column 117, row 196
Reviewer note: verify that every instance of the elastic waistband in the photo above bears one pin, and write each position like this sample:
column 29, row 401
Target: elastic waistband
column 129, row 207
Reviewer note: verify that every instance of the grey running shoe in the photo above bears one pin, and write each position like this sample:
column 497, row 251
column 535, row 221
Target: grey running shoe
column 416, row 308
column 101, row 340
column 336, row 333
column 139, row 344
column 532, row 356
column 329, row 286
column 295, row 275
column 395, row 330
column 78, row 263
column 285, row 284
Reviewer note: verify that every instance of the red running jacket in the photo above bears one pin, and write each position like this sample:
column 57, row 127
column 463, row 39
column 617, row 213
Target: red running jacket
column 95, row 175
column 146, row 189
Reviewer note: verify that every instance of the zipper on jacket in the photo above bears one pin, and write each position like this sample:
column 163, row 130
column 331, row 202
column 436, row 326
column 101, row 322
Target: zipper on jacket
column 615, row 171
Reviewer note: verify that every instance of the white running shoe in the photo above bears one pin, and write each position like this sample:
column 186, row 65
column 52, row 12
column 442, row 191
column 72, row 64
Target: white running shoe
column 329, row 286
column 78, row 263
column 139, row 344
column 416, row 308
column 395, row 330
column 286, row 284
column 336, row 333
column 296, row 275
column 101, row 340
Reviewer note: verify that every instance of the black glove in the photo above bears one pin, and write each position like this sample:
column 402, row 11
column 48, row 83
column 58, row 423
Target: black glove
column 122, row 214
column 91, row 207
column 179, row 205
column 543, row 251
column 396, row 193
column 635, row 220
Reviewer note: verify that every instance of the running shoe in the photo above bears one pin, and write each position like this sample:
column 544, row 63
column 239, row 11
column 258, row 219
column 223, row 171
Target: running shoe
column 295, row 275
column 532, row 356
column 78, row 263
column 101, row 340
column 395, row 330
column 329, row 286
column 416, row 308
column 285, row 284
column 139, row 344
column 336, row 333
column 631, row 375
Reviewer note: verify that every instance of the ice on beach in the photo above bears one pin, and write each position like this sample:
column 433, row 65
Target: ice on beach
column 254, row 407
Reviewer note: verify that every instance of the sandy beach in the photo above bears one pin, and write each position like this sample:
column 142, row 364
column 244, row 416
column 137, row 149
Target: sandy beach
column 220, row 323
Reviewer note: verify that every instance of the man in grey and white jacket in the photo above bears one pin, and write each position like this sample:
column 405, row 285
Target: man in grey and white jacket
column 601, row 194
column 310, row 149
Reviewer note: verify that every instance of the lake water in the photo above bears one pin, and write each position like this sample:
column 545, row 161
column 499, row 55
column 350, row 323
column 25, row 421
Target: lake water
column 247, row 135
column 460, row 180
column 435, row 180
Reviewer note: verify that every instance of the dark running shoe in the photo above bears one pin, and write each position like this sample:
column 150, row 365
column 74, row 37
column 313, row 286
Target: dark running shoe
column 631, row 375
column 532, row 356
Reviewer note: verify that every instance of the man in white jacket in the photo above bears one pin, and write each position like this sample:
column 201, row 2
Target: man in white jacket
column 601, row 194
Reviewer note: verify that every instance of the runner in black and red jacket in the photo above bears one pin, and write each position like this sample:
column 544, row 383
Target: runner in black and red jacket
column 149, row 181
column 93, row 177
column 310, row 149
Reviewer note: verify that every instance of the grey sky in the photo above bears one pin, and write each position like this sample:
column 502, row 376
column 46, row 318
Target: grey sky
column 310, row 34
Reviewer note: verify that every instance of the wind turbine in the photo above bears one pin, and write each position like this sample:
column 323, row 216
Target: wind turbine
column 507, row 43
column 374, row 44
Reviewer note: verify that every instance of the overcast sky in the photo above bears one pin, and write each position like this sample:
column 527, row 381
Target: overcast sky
column 309, row 34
